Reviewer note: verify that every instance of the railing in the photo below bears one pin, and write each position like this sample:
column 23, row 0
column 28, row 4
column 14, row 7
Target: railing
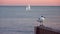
column 45, row 30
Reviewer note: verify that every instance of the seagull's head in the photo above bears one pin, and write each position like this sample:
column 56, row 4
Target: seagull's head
column 41, row 16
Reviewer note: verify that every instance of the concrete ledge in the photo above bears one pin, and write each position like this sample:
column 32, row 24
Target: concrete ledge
column 45, row 30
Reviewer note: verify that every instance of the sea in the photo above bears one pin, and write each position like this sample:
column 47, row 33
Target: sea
column 17, row 20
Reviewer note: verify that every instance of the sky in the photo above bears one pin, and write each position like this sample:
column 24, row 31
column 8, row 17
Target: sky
column 31, row 2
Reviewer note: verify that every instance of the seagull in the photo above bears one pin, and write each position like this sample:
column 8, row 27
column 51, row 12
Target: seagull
column 40, row 20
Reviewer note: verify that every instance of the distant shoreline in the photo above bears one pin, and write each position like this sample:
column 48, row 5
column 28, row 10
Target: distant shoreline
column 25, row 5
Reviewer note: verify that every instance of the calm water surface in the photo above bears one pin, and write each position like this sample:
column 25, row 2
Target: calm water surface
column 16, row 20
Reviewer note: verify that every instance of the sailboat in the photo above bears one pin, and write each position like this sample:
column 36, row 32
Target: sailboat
column 28, row 8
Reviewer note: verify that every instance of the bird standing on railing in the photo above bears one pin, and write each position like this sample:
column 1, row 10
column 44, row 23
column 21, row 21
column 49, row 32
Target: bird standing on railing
column 40, row 20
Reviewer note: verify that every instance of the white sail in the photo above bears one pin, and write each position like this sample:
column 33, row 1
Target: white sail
column 28, row 8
